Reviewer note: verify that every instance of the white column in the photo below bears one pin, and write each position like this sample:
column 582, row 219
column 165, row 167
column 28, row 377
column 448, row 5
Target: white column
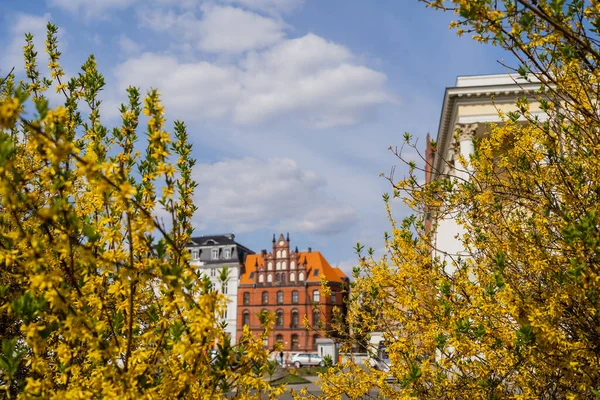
column 465, row 135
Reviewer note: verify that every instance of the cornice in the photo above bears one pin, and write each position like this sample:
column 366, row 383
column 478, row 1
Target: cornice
column 459, row 95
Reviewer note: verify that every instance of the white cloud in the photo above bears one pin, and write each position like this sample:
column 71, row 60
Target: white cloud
column 26, row 23
column 308, row 78
column 268, row 6
column 233, row 30
column 190, row 90
column 181, row 25
column 127, row 46
column 91, row 8
column 221, row 29
column 328, row 219
column 248, row 194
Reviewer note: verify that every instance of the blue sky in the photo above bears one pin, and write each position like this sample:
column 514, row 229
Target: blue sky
column 291, row 105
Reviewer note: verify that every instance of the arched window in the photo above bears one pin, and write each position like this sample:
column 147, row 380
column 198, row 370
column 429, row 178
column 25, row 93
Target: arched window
column 293, row 265
column 277, row 277
column 280, row 297
column 314, row 341
column 269, row 278
column 279, row 338
column 246, row 298
column 270, row 265
column 316, row 296
column 278, row 253
column 261, row 278
column 295, row 297
column 294, row 342
column 283, row 278
column 316, row 317
column 265, row 297
column 292, row 277
column 278, row 265
column 246, row 317
column 295, row 318
column 284, row 265
column 279, row 319
column 284, row 253
column 301, row 276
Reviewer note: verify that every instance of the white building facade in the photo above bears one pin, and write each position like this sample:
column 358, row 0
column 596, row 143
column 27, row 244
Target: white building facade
column 210, row 254
column 467, row 112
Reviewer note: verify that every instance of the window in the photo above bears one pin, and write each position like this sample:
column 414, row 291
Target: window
column 224, row 314
column 278, row 253
column 292, row 277
column 269, row 278
column 314, row 342
column 278, row 266
column 213, row 272
column 316, row 296
column 266, row 342
column 251, row 275
column 227, row 253
column 284, row 253
column 277, row 277
column 301, row 276
column 316, row 273
column 279, row 338
column 280, row 297
column 261, row 278
column 295, row 297
column 265, row 297
column 215, row 254
column 316, row 317
column 279, row 319
column 225, row 287
column 284, row 265
column 270, row 265
column 333, row 297
column 283, row 278
column 195, row 254
column 293, row 265
column 246, row 298
column 295, row 318
column 246, row 317
column 294, row 342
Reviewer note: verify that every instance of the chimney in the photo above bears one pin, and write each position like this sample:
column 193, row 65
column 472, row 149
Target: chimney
column 263, row 252
column 309, row 250
column 231, row 236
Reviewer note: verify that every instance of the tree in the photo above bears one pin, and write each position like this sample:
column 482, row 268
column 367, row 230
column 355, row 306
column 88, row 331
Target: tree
column 519, row 317
column 98, row 298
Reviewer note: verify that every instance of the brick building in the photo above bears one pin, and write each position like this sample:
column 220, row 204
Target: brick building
column 288, row 283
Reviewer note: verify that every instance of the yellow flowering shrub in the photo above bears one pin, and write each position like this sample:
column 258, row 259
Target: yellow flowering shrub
column 97, row 295
column 519, row 317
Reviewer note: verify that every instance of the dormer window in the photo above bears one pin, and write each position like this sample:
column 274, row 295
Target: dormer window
column 227, row 253
column 195, row 254
column 215, row 254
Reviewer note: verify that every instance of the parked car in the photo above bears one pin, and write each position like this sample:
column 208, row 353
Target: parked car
column 307, row 359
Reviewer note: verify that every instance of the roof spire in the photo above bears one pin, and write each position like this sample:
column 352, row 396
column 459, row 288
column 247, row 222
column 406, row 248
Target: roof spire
column 274, row 238
column 288, row 237
column 296, row 249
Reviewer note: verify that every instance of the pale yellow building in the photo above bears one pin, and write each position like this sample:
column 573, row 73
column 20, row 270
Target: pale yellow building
column 468, row 109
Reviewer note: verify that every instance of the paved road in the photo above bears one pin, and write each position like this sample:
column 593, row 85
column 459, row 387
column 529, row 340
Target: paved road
column 314, row 389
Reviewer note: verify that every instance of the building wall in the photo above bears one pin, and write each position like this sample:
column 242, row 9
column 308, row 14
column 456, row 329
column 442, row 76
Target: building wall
column 230, row 289
column 202, row 257
column 468, row 111
column 305, row 307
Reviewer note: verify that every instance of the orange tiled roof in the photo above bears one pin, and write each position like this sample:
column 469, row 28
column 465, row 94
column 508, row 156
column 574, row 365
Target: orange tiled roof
column 314, row 259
